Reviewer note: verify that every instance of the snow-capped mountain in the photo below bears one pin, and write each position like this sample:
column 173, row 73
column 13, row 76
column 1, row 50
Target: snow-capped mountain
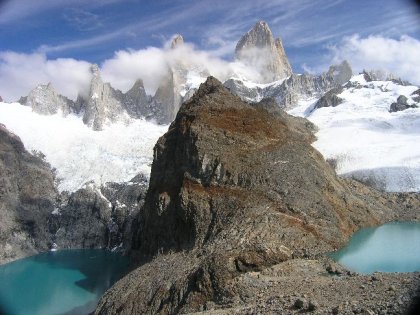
column 363, row 137
column 108, row 135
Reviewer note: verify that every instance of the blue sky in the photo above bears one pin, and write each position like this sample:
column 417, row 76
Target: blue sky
column 92, row 30
column 314, row 32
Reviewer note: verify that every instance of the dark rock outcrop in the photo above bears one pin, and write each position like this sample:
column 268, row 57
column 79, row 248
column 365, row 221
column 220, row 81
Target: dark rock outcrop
column 98, row 217
column 27, row 197
column 330, row 99
column 1, row 99
column 235, row 189
column 400, row 105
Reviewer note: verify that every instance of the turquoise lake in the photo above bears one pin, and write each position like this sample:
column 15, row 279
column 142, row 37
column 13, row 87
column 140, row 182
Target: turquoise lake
column 392, row 247
column 61, row 282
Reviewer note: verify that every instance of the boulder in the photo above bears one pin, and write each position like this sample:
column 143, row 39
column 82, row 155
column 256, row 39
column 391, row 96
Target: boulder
column 400, row 105
column 330, row 99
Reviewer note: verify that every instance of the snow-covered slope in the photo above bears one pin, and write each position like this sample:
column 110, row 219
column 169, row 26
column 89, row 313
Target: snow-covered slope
column 367, row 141
column 78, row 153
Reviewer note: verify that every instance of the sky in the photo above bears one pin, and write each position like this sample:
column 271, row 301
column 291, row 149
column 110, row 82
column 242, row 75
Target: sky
column 56, row 40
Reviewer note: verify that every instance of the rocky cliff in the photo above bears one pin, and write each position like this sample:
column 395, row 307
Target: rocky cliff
column 36, row 218
column 236, row 192
column 27, row 197
column 259, row 50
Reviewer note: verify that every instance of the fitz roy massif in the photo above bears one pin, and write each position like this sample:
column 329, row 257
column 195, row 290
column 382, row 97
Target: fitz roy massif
column 227, row 192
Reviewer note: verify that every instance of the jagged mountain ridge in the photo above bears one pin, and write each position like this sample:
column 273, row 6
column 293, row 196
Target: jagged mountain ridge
column 104, row 104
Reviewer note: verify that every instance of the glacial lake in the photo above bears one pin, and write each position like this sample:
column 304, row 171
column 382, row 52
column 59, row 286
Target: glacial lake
column 61, row 282
column 392, row 247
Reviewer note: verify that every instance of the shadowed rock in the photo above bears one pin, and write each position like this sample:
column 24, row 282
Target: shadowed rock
column 27, row 197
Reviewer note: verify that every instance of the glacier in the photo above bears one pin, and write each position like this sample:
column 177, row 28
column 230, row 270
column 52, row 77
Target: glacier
column 365, row 141
column 79, row 154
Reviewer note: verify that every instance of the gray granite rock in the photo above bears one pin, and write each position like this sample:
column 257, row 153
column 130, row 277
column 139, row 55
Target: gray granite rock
column 136, row 101
column 258, row 49
column 104, row 104
column 46, row 101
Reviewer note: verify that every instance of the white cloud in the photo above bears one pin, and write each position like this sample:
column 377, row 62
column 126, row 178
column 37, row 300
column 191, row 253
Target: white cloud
column 151, row 65
column 398, row 56
column 19, row 73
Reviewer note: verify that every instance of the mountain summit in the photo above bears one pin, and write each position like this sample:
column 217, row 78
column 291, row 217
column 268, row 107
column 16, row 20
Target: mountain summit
column 259, row 49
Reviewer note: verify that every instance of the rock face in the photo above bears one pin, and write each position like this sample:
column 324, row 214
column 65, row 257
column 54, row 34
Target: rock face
column 260, row 50
column 235, row 189
column 136, row 101
column 297, row 86
column 1, row 99
column 27, row 197
column 35, row 217
column 46, row 101
column 103, row 104
column 167, row 97
column 98, row 217
column 400, row 105
column 330, row 99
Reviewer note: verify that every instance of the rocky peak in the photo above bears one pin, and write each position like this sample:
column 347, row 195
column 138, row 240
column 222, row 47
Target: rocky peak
column 258, row 49
column 136, row 100
column 44, row 100
column 217, row 154
column 103, row 104
column 235, row 188
column 177, row 41
column 259, row 36
column 340, row 73
column 1, row 99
